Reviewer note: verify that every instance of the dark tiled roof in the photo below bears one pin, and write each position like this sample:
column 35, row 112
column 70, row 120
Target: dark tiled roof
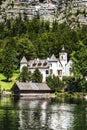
column 38, row 63
column 62, row 50
column 31, row 86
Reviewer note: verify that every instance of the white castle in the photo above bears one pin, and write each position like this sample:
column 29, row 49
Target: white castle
column 51, row 66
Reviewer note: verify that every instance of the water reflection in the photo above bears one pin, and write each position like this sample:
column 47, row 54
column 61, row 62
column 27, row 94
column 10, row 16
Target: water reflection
column 42, row 115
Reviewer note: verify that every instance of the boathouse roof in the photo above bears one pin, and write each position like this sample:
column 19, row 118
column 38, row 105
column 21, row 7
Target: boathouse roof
column 31, row 86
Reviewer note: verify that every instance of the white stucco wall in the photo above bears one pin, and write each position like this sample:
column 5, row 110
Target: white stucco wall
column 67, row 68
column 58, row 66
column 22, row 65
column 63, row 58
column 54, row 67
column 43, row 72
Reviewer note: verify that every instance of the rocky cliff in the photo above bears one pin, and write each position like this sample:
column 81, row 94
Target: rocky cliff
column 71, row 11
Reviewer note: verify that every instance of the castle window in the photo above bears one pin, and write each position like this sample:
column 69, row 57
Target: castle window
column 28, row 65
column 41, row 1
column 59, row 72
column 51, row 71
column 50, row 65
column 61, row 57
column 34, row 64
column 45, row 63
column 70, row 72
column 47, row 72
column 39, row 64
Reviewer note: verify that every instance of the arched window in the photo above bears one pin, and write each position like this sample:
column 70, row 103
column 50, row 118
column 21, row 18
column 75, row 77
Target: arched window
column 51, row 71
column 50, row 65
column 45, row 63
column 60, row 72
column 39, row 64
column 34, row 64
column 61, row 57
column 41, row 1
column 47, row 72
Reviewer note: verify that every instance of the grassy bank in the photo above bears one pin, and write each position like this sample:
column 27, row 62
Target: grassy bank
column 70, row 95
column 7, row 85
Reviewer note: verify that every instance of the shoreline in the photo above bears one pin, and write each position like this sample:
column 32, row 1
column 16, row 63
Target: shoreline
column 74, row 95
column 69, row 95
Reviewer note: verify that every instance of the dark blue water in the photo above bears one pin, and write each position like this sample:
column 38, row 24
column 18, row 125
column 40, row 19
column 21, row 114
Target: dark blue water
column 43, row 114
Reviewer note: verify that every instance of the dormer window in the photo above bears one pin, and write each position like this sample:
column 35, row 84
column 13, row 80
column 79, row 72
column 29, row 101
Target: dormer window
column 39, row 64
column 34, row 64
column 41, row 1
column 45, row 63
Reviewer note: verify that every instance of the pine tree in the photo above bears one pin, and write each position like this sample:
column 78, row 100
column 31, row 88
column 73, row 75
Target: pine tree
column 9, row 58
column 37, row 76
column 25, row 75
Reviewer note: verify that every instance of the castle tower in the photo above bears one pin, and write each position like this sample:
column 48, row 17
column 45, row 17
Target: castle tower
column 23, row 63
column 63, row 57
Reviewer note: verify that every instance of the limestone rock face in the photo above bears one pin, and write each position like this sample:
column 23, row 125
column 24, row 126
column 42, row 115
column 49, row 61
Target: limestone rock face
column 71, row 11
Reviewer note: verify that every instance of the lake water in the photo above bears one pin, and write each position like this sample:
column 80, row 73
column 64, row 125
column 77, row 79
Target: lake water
column 58, row 114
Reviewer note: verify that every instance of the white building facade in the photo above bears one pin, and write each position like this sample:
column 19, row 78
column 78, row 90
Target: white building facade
column 51, row 66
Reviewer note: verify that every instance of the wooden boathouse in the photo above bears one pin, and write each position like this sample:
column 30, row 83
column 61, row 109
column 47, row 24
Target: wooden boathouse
column 29, row 89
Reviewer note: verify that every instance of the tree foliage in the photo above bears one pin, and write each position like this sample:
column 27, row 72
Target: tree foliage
column 37, row 76
column 75, row 84
column 38, row 38
column 55, row 83
column 79, row 58
column 25, row 74
column 9, row 59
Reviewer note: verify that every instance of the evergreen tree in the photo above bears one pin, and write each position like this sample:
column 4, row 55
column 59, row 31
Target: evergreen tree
column 37, row 76
column 9, row 58
column 25, row 75
column 55, row 83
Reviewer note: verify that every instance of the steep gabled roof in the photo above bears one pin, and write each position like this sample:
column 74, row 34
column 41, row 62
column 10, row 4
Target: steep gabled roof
column 53, row 58
column 63, row 50
column 24, row 60
column 69, row 62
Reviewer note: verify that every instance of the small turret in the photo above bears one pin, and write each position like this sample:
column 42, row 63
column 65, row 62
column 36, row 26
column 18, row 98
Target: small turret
column 63, row 49
column 23, row 63
column 24, row 60
column 63, row 57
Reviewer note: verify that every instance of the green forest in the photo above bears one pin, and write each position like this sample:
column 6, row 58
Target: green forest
column 37, row 38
